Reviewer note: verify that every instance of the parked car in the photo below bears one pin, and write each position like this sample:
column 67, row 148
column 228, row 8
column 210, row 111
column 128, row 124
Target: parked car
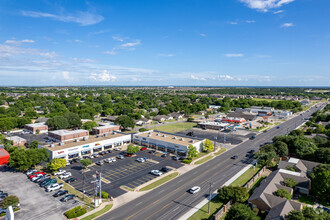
column 143, row 148
column 164, row 155
column 117, row 149
column 145, row 158
column 54, row 187
column 60, row 193
column 156, row 172
column 234, row 157
column 48, row 182
column 95, row 155
column 251, row 151
column 152, row 152
column 101, row 153
column 70, row 180
column 128, row 155
column 100, row 163
column 141, row 160
column 44, row 177
column 278, row 127
column 30, row 171
column 176, row 158
column 60, row 172
column 65, row 175
column 35, row 174
column 120, row 157
column 194, row 189
column 108, row 160
column 67, row 198
column 109, row 151
column 165, row 169
column 68, row 163
column 252, row 137
column 36, row 177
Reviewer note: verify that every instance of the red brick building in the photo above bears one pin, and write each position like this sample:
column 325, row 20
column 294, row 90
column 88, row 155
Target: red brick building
column 65, row 135
column 105, row 129
column 42, row 127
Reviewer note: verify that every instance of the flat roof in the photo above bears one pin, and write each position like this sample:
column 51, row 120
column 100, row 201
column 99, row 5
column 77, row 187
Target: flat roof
column 214, row 123
column 91, row 139
column 66, row 132
column 293, row 160
column 36, row 124
column 15, row 138
column 289, row 172
column 168, row 137
column 105, row 126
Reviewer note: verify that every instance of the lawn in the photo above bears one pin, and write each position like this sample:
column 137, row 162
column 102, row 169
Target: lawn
column 220, row 151
column 306, row 199
column 245, row 177
column 96, row 214
column 176, row 127
column 204, row 160
column 160, row 181
column 262, row 99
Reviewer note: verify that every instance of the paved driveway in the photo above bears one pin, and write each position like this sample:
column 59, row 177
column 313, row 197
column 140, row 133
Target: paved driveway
column 35, row 202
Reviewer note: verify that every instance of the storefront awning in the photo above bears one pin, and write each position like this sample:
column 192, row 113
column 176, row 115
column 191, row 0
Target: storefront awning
column 171, row 148
column 97, row 147
column 60, row 156
column 85, row 150
column 73, row 153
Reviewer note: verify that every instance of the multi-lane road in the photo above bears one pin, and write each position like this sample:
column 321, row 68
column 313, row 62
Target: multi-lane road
column 171, row 200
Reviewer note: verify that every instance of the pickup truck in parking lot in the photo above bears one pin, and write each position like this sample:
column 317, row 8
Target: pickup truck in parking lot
column 54, row 186
column 65, row 175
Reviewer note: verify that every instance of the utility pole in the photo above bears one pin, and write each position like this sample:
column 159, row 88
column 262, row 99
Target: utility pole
column 83, row 189
column 100, row 182
column 209, row 198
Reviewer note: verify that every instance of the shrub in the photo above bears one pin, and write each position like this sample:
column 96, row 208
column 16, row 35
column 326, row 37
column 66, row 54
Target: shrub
column 190, row 119
column 186, row 161
column 233, row 193
column 104, row 195
column 75, row 212
column 289, row 182
column 283, row 193
column 9, row 201
column 143, row 129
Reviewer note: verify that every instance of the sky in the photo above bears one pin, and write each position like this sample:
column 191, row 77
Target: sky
column 165, row 43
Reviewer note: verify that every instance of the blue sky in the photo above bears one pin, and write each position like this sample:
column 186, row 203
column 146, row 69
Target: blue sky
column 165, row 42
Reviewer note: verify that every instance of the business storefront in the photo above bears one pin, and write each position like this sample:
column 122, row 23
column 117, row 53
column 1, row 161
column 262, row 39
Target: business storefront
column 97, row 147
column 85, row 151
column 126, row 141
column 107, row 146
column 62, row 156
column 73, row 154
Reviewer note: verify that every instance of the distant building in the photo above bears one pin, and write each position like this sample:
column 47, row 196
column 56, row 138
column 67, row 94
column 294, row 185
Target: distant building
column 17, row 141
column 233, row 120
column 176, row 115
column 282, row 113
column 33, row 128
column 83, row 121
column 261, row 111
column 247, row 116
column 111, row 118
column 105, row 129
column 67, row 135
column 213, row 125
column 214, row 106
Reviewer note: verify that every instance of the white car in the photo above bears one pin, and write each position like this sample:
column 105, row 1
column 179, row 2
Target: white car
column 156, row 172
column 65, row 175
column 29, row 172
column 117, row 148
column 108, row 160
column 60, row 172
column 194, row 190
column 113, row 159
column 54, row 186
column 36, row 177
column 120, row 157
column 141, row 160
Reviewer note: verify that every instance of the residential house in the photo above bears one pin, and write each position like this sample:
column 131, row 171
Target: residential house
column 177, row 115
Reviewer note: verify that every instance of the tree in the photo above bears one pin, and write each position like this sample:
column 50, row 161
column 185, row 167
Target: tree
column 304, row 147
column 322, row 155
column 73, row 119
column 281, row 148
column 9, row 201
column 208, row 145
column 19, row 159
column 58, row 122
column 38, row 131
column 85, row 163
column 34, row 144
column 192, row 151
column 56, row 164
column 284, row 193
column 294, row 215
column 321, row 182
column 241, row 212
column 289, row 182
column 309, row 213
column 233, row 193
column 131, row 149
column 89, row 125
column 296, row 133
column 125, row 121
column 190, row 119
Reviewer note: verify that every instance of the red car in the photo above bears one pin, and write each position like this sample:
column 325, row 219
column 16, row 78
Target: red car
column 128, row 155
column 144, row 148
column 35, row 174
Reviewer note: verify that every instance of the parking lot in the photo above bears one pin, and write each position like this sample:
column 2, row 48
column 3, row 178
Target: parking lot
column 41, row 138
column 126, row 172
column 237, row 137
column 35, row 202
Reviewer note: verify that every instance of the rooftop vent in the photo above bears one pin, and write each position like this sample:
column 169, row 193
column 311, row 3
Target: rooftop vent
column 104, row 135
column 157, row 134
column 174, row 137
column 61, row 143
column 149, row 135
column 76, row 140
column 164, row 135
column 85, row 138
column 182, row 139
column 52, row 145
column 114, row 133
column 97, row 136
column 192, row 141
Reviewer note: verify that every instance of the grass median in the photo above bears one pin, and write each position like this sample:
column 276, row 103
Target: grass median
column 96, row 214
column 160, row 182
column 220, row 151
column 203, row 160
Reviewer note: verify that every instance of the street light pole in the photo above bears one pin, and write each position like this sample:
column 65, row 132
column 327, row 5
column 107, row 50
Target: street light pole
column 83, row 189
column 100, row 182
column 209, row 198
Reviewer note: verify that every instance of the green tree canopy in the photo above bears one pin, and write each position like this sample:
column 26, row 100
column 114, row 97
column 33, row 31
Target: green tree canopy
column 131, row 149
column 233, row 193
column 58, row 122
column 208, row 145
column 56, row 164
column 284, row 193
column 125, row 122
column 9, row 201
column 321, row 182
column 89, row 125
column 290, row 182
column 192, row 151
column 240, row 211
column 85, row 162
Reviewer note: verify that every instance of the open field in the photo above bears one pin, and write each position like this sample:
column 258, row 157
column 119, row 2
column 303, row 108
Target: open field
column 176, row 127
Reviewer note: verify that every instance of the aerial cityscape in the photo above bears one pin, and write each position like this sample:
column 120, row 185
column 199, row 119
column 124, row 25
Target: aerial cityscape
column 165, row 110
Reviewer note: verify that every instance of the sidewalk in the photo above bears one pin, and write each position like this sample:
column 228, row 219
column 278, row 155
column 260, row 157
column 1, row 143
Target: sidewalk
column 103, row 204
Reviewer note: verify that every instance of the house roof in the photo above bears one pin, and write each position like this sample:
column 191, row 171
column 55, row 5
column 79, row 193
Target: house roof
column 279, row 211
column 246, row 116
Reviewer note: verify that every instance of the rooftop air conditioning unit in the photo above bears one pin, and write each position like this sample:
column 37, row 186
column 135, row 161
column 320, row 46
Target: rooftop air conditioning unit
column 192, row 141
column 174, row 137
column 61, row 143
column 76, row 140
column 149, row 135
column 97, row 136
column 182, row 139
column 157, row 134
column 164, row 135
column 105, row 134
column 52, row 145
column 85, row 138
column 114, row 133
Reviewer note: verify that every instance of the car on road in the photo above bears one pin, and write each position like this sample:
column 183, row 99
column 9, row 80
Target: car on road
column 54, row 187
column 70, row 180
column 156, row 172
column 234, row 157
column 194, row 189
column 60, row 172
column 67, row 198
column 252, row 137
column 65, row 175
column 60, row 193
column 278, row 127
column 141, row 160
column 120, row 157
column 143, row 148
column 100, row 163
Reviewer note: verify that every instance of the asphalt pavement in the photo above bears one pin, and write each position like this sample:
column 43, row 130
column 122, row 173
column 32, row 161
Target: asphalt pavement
column 172, row 200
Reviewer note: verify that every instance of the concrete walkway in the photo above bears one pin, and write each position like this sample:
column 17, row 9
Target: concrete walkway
column 103, row 204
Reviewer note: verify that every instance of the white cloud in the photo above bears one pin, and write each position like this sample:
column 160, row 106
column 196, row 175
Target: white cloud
column 131, row 44
column 287, row 25
column 250, row 21
column 66, row 76
column 11, row 51
column 118, row 38
column 18, row 42
column 265, row 5
column 110, row 52
column 264, row 79
column 135, row 79
column 232, row 22
column 234, row 55
column 166, row 55
column 278, row 12
column 225, row 77
column 105, row 76
column 83, row 18
column 77, row 41
column 197, row 78
column 202, row 35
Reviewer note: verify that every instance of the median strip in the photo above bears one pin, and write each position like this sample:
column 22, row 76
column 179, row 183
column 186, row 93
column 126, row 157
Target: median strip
column 160, row 182
column 96, row 214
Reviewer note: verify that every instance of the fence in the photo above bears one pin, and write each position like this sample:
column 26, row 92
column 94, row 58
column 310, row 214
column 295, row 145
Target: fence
column 254, row 178
column 222, row 211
